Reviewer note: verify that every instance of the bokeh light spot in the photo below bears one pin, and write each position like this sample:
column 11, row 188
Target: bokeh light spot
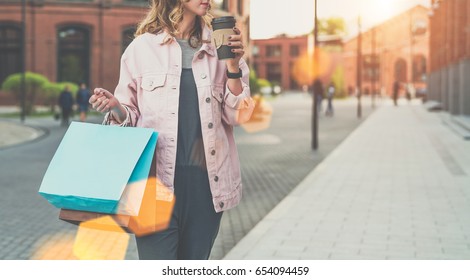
column 155, row 210
column 261, row 116
column 100, row 239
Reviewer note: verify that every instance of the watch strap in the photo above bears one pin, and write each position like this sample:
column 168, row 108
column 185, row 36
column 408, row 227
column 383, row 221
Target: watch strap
column 234, row 75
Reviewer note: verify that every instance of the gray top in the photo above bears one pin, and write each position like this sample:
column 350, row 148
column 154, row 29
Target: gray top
column 188, row 53
column 190, row 149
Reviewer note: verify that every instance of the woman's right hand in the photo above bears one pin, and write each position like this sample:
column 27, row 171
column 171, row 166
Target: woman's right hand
column 103, row 101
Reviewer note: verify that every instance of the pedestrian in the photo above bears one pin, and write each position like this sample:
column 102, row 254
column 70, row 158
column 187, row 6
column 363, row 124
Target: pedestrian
column 65, row 103
column 172, row 81
column 396, row 89
column 83, row 95
column 318, row 93
column 330, row 95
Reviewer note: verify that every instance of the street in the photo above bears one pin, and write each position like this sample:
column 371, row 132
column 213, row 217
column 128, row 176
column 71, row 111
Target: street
column 274, row 161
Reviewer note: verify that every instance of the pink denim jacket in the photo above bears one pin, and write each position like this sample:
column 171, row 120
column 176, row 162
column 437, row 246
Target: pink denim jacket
column 149, row 90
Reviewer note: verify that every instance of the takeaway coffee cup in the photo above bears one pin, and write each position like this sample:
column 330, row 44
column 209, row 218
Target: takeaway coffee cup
column 223, row 28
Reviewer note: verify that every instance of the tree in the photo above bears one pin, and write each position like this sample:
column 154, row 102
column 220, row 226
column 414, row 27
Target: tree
column 338, row 79
column 331, row 26
column 33, row 86
column 52, row 92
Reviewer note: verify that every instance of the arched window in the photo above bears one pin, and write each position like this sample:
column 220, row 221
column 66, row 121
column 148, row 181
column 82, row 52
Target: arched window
column 127, row 37
column 419, row 68
column 10, row 50
column 73, row 56
column 400, row 70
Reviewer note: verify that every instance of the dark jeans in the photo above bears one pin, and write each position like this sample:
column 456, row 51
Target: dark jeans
column 194, row 223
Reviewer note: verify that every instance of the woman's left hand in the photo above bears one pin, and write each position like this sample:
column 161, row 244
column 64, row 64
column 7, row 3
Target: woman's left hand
column 235, row 41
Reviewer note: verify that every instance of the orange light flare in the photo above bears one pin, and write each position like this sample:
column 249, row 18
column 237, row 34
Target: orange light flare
column 304, row 71
column 155, row 210
column 261, row 116
column 58, row 246
column 100, row 239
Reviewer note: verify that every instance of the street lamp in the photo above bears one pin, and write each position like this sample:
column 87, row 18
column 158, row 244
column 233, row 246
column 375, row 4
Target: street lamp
column 23, row 62
column 359, row 68
column 315, row 72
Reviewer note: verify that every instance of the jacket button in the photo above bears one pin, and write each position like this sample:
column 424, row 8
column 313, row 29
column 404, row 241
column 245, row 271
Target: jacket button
column 213, row 152
column 210, row 125
column 201, row 55
column 216, row 178
column 203, row 76
column 208, row 100
column 221, row 204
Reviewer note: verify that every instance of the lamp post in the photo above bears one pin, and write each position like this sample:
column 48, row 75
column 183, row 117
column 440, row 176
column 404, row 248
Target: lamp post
column 359, row 68
column 23, row 61
column 315, row 72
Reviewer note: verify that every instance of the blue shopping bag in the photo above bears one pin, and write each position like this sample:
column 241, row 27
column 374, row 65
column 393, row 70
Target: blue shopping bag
column 99, row 168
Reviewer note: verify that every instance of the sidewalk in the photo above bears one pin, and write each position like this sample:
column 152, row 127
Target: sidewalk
column 397, row 188
column 13, row 133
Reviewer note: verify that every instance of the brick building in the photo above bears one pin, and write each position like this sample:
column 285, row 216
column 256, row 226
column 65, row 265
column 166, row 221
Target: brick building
column 79, row 40
column 449, row 81
column 277, row 59
column 397, row 49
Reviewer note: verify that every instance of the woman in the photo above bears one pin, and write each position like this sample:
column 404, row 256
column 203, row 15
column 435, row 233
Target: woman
column 171, row 81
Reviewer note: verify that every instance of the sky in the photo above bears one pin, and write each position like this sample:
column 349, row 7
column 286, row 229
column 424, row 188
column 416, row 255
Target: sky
column 269, row 18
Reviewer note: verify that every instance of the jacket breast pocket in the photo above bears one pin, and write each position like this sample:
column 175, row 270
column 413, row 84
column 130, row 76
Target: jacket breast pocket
column 153, row 83
column 217, row 92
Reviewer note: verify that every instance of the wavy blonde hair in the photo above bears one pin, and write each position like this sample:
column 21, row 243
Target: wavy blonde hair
column 166, row 15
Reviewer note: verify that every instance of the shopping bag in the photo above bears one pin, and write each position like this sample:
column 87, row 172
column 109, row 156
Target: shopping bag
column 99, row 168
column 154, row 215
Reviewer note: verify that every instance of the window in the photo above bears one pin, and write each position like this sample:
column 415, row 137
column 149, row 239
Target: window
column 400, row 70
column 127, row 37
column 221, row 4
column 73, row 54
column 419, row 68
column 255, row 50
column 240, row 7
column 371, row 65
column 273, row 51
column 274, row 74
column 10, row 50
column 294, row 50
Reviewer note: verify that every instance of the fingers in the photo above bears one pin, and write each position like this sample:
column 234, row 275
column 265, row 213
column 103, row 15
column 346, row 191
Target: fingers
column 237, row 31
column 238, row 52
column 235, row 41
column 103, row 107
column 236, row 44
column 100, row 100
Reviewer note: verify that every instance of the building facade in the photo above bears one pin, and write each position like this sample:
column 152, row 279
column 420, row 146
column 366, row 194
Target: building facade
column 80, row 40
column 274, row 58
column 396, row 50
column 284, row 60
column 449, row 82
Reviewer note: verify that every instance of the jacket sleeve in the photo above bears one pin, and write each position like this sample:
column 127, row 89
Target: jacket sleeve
column 126, row 93
column 238, row 108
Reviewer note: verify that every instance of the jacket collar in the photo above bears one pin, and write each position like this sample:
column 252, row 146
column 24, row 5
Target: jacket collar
column 207, row 46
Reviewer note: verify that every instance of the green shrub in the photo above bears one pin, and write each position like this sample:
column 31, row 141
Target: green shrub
column 33, row 87
column 254, row 86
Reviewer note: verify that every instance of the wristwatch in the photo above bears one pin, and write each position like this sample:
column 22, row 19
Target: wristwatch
column 234, row 75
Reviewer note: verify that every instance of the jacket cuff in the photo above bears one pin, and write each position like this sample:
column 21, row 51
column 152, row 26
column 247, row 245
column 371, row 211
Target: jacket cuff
column 110, row 120
column 240, row 101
